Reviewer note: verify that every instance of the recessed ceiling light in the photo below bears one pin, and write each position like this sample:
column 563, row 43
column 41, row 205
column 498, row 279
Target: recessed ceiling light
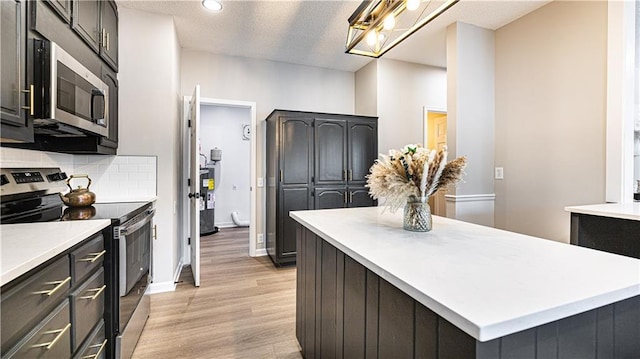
column 212, row 5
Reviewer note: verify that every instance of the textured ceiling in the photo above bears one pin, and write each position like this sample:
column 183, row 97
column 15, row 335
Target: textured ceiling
column 313, row 33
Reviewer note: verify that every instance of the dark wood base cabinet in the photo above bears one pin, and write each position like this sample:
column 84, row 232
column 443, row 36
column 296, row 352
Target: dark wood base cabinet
column 314, row 161
column 344, row 310
column 614, row 235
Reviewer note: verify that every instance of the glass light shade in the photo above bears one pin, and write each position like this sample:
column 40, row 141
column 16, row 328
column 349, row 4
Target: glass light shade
column 389, row 22
column 372, row 38
column 413, row 4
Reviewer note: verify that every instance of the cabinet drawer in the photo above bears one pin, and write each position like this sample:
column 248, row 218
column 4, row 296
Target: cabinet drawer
column 28, row 302
column 95, row 346
column 87, row 305
column 50, row 338
column 87, row 258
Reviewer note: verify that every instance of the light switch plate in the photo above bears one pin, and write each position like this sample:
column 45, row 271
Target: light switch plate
column 260, row 238
column 499, row 173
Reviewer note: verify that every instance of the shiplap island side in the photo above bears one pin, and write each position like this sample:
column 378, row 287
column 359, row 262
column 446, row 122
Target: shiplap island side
column 368, row 288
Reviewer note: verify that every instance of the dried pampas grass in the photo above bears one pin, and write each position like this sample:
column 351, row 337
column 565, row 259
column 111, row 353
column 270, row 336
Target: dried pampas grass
column 413, row 171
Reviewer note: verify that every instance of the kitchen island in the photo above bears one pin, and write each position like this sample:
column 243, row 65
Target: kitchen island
column 610, row 227
column 368, row 288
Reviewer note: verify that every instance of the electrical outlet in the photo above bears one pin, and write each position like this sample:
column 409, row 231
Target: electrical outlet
column 260, row 238
column 260, row 182
column 499, row 173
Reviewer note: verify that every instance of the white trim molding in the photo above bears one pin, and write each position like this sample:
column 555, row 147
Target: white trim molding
column 261, row 252
column 470, row 197
column 161, row 287
column 473, row 208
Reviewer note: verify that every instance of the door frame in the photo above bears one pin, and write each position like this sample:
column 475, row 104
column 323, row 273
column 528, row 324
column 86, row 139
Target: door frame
column 253, row 215
column 426, row 110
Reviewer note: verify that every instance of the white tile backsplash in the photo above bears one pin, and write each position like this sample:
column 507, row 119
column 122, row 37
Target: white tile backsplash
column 114, row 178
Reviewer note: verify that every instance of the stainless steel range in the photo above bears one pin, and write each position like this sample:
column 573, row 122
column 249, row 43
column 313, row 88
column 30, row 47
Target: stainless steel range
column 30, row 195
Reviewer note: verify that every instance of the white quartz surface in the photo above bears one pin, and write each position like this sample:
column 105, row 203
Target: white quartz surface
column 25, row 246
column 131, row 199
column 488, row 282
column 629, row 210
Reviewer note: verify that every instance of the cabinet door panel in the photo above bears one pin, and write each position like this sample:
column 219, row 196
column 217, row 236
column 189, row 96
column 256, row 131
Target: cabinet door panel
column 12, row 62
column 109, row 48
column 296, row 145
column 363, row 149
column 86, row 21
column 292, row 199
column 110, row 79
column 63, row 8
column 327, row 198
column 359, row 197
column 330, row 151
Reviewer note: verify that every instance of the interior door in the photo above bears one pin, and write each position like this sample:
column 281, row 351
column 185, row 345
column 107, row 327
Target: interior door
column 439, row 205
column 194, row 189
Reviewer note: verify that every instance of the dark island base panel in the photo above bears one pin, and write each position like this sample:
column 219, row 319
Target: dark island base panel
column 344, row 310
column 613, row 235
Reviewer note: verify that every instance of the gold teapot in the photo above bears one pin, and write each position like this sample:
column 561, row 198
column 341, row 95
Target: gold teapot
column 79, row 197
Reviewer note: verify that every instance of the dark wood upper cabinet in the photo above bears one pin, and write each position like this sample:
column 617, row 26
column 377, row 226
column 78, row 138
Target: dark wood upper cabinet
column 63, row 8
column 86, row 22
column 363, row 148
column 330, row 152
column 109, row 34
column 15, row 93
column 296, row 150
column 96, row 21
column 110, row 78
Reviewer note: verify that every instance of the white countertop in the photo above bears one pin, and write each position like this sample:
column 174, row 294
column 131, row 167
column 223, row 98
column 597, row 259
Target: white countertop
column 25, row 246
column 488, row 282
column 629, row 210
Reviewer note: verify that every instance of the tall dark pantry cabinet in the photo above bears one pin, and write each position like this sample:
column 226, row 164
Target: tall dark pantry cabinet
column 314, row 161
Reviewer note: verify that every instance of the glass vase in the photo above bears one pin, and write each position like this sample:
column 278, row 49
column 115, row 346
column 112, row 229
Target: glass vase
column 417, row 215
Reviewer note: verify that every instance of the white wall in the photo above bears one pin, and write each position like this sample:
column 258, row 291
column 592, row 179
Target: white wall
column 222, row 127
column 149, row 79
column 470, row 121
column 271, row 85
column 396, row 92
column 366, row 96
column 550, row 116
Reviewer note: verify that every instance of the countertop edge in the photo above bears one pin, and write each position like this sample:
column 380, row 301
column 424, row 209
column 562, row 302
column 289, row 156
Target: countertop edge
column 38, row 259
column 630, row 211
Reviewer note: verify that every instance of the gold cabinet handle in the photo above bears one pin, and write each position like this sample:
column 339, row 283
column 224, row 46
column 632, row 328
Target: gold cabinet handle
column 155, row 231
column 95, row 257
column 97, row 355
column 350, row 197
column 104, row 37
column 31, row 94
column 97, row 290
column 107, row 41
column 50, row 344
column 59, row 284
column 350, row 175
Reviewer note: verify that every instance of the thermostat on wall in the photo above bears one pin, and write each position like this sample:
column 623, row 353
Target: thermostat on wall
column 246, row 132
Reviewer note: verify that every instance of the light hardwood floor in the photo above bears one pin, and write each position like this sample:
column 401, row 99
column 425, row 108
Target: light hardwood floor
column 244, row 307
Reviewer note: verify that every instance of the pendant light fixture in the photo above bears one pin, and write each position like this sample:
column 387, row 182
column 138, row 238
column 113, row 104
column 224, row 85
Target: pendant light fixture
column 378, row 25
column 213, row 5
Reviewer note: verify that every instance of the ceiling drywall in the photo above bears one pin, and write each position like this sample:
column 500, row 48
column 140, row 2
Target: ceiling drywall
column 313, row 33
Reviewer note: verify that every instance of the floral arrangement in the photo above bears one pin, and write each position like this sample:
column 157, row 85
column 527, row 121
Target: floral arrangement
column 413, row 171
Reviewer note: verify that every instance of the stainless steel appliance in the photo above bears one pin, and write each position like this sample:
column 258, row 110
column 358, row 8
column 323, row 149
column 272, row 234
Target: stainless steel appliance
column 29, row 195
column 71, row 100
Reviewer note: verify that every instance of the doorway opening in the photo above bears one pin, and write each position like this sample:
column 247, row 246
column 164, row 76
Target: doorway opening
column 435, row 137
column 224, row 147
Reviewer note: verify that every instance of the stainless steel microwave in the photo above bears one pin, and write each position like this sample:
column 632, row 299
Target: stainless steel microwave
column 70, row 100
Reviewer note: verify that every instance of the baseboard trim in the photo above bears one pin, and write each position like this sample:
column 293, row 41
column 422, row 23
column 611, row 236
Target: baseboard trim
column 470, row 197
column 161, row 287
column 176, row 275
column 261, row 252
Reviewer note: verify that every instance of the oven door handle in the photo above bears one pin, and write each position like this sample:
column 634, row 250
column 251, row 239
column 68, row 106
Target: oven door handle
column 134, row 227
